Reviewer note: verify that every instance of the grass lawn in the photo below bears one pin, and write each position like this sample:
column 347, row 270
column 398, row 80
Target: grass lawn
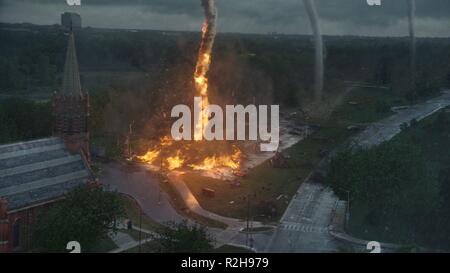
column 364, row 105
column 271, row 189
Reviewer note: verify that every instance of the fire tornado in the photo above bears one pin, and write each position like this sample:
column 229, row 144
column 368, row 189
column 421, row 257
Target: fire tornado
column 200, row 156
column 203, row 63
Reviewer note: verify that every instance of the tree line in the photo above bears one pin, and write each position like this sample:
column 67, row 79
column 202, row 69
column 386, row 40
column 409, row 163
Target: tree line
column 400, row 187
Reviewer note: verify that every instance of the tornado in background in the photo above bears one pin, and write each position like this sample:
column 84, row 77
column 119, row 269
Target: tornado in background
column 318, row 41
column 412, row 37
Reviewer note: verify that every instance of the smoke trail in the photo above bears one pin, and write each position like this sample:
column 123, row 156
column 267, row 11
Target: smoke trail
column 412, row 36
column 319, row 62
column 203, row 62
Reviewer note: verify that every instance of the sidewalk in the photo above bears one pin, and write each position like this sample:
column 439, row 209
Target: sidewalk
column 124, row 241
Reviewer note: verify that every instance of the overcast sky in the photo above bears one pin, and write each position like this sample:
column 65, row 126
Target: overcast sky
column 338, row 17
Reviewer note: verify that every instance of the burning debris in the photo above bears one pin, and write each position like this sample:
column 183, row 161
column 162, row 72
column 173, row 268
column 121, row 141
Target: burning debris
column 169, row 155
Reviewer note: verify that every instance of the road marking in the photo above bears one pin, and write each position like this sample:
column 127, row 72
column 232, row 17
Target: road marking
column 303, row 228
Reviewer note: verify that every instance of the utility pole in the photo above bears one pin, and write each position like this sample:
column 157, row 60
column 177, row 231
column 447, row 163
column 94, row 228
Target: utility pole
column 348, row 204
column 129, row 141
column 159, row 195
column 140, row 227
column 248, row 219
column 161, row 177
column 251, row 234
column 347, row 211
column 130, row 132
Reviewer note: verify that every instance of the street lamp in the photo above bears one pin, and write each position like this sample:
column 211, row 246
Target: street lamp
column 249, row 236
column 248, row 219
column 140, row 227
column 130, row 132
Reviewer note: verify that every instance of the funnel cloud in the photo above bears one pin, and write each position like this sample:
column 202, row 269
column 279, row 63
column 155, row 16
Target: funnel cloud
column 318, row 44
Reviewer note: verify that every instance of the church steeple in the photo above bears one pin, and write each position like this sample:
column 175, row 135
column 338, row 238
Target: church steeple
column 71, row 106
column 71, row 81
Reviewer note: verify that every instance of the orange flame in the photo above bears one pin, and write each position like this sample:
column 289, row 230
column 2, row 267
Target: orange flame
column 201, row 82
column 149, row 157
column 174, row 162
column 212, row 162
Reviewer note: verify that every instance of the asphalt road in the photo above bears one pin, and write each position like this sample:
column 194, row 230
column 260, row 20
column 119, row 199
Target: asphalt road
column 389, row 127
column 304, row 225
column 143, row 186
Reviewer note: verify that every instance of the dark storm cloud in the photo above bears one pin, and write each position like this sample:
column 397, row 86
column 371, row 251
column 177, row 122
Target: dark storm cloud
column 285, row 16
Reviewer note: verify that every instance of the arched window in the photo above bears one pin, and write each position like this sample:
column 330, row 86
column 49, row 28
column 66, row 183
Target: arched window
column 16, row 234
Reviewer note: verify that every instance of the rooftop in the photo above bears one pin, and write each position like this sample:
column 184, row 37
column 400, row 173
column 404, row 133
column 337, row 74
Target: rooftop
column 37, row 171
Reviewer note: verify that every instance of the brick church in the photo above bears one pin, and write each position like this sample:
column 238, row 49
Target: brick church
column 35, row 174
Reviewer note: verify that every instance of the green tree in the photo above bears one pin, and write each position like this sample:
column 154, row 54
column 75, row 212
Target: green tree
column 442, row 122
column 11, row 76
column 444, row 178
column 86, row 215
column 22, row 119
column 45, row 72
column 392, row 181
column 184, row 238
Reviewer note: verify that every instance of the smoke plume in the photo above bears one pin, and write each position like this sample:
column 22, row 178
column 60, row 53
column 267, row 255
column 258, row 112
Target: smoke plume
column 319, row 61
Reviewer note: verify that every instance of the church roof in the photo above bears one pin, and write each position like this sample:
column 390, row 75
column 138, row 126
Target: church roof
column 37, row 171
column 71, row 81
